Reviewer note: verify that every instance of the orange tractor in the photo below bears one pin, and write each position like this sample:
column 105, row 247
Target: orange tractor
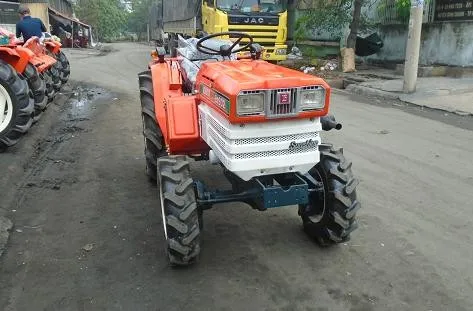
column 260, row 122
column 43, row 67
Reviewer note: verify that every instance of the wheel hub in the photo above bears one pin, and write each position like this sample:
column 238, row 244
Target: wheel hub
column 6, row 108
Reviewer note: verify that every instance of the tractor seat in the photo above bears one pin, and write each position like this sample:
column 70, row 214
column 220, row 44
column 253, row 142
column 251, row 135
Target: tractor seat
column 191, row 59
column 189, row 70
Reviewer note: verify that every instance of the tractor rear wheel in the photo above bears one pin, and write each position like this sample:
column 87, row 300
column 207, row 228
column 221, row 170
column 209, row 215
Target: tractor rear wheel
column 329, row 217
column 37, row 85
column 65, row 66
column 179, row 210
column 16, row 106
column 153, row 136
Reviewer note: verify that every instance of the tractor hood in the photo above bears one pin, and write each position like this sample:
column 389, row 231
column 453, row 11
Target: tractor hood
column 232, row 77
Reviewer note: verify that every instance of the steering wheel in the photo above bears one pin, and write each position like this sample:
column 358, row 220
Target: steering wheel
column 225, row 50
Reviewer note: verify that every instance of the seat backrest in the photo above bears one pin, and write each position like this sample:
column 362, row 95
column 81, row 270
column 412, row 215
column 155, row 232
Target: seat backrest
column 188, row 48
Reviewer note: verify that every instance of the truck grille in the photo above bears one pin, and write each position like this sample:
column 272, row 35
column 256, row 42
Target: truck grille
column 265, row 37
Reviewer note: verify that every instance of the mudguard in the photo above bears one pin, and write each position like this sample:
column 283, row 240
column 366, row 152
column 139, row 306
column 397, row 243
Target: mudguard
column 176, row 114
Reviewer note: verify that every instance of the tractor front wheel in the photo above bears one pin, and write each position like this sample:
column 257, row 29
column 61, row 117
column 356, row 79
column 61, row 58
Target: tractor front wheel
column 179, row 210
column 329, row 217
column 153, row 137
column 37, row 85
column 16, row 106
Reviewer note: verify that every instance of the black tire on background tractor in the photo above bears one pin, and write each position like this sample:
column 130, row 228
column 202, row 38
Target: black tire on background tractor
column 55, row 75
column 179, row 210
column 329, row 218
column 37, row 85
column 153, row 137
column 17, row 115
column 65, row 66
column 50, row 89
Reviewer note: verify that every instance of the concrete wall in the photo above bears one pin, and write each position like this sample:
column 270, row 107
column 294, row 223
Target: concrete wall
column 443, row 43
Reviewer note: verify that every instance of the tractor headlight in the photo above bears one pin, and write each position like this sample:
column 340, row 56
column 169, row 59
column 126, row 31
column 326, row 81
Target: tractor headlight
column 281, row 51
column 250, row 103
column 312, row 98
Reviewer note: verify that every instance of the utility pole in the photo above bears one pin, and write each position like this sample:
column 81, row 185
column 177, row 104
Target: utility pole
column 413, row 46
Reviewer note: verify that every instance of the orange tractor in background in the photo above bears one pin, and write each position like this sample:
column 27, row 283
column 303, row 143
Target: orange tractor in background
column 43, row 67
column 260, row 122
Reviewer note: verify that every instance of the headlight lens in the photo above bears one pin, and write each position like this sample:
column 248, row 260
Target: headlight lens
column 281, row 51
column 248, row 104
column 313, row 98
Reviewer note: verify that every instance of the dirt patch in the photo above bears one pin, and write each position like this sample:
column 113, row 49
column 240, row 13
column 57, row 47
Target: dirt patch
column 5, row 226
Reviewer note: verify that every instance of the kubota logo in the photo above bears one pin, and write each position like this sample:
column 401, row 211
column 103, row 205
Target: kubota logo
column 253, row 20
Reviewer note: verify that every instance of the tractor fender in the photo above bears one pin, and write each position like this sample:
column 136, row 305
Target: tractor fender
column 26, row 55
column 53, row 46
column 17, row 57
column 167, row 83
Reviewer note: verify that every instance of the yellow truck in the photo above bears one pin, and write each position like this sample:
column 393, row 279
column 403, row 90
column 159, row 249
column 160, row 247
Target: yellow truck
column 264, row 20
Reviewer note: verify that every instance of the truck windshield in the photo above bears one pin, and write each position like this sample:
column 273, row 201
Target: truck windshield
column 252, row 6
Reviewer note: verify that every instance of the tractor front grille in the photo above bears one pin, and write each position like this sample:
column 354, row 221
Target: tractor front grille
column 279, row 107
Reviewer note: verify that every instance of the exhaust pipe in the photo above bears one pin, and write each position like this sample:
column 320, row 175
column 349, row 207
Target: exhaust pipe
column 329, row 123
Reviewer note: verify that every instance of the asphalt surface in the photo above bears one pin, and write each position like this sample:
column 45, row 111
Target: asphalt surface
column 88, row 236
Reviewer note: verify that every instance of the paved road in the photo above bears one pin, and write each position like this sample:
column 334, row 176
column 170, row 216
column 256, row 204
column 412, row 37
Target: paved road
column 88, row 233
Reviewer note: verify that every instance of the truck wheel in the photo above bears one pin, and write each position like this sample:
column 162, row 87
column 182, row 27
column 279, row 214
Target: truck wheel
column 65, row 67
column 179, row 210
column 153, row 137
column 329, row 218
column 38, row 86
column 16, row 106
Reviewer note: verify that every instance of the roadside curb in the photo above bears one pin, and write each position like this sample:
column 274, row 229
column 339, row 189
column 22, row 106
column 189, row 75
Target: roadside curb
column 370, row 92
column 384, row 95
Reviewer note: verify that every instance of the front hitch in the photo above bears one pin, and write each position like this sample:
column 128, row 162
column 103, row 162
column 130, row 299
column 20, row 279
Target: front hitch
column 329, row 123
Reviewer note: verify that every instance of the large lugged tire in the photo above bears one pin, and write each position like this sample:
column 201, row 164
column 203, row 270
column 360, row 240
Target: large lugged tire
column 329, row 218
column 153, row 137
column 50, row 90
column 179, row 210
column 16, row 106
column 65, row 66
column 37, row 85
column 55, row 76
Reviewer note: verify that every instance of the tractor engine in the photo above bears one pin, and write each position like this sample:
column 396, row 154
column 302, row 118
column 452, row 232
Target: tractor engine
column 260, row 119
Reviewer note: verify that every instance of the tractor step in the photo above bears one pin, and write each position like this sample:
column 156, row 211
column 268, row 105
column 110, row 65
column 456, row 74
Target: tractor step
column 260, row 193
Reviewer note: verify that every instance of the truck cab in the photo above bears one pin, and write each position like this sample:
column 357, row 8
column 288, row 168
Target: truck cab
column 264, row 20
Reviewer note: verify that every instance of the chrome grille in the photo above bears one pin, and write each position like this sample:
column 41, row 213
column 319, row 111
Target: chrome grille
column 279, row 105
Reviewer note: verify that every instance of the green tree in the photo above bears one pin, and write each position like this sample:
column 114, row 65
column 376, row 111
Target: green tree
column 333, row 17
column 355, row 23
column 327, row 16
column 139, row 17
column 107, row 17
